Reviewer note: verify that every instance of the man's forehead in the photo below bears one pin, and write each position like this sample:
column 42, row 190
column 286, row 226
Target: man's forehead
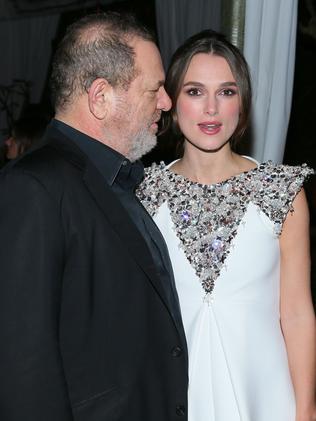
column 148, row 59
column 146, row 51
column 151, row 77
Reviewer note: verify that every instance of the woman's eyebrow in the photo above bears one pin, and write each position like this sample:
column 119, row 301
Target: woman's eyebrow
column 223, row 84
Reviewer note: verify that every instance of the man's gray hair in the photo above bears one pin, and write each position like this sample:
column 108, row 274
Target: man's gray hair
column 96, row 46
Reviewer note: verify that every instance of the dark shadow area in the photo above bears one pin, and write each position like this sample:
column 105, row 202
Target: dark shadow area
column 300, row 145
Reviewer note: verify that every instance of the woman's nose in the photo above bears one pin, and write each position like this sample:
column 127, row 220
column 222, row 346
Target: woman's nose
column 211, row 107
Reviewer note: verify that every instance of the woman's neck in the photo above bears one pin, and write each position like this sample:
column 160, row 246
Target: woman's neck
column 211, row 167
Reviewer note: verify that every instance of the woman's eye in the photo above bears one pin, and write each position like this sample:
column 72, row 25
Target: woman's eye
column 228, row 92
column 193, row 92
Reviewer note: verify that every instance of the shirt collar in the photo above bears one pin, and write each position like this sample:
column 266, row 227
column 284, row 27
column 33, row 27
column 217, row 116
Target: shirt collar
column 114, row 167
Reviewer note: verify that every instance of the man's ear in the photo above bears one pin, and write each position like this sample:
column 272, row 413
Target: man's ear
column 100, row 96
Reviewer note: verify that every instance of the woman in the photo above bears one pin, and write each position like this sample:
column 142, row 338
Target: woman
column 237, row 233
column 25, row 132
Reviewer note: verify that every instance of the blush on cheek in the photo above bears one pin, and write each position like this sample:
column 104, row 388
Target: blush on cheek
column 233, row 109
column 187, row 109
column 232, row 114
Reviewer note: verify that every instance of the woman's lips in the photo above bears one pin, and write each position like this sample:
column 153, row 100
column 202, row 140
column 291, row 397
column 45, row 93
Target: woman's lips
column 210, row 127
column 154, row 126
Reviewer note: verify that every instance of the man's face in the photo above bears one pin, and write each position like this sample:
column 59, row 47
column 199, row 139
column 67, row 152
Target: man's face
column 138, row 109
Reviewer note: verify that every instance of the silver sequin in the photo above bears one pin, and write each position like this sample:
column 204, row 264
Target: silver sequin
column 206, row 217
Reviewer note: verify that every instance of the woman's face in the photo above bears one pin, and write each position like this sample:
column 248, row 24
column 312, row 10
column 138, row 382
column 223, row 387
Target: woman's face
column 12, row 148
column 208, row 105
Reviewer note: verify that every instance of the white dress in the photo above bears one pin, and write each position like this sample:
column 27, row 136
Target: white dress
column 224, row 247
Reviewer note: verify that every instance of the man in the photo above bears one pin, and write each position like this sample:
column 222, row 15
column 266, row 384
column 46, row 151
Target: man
column 90, row 321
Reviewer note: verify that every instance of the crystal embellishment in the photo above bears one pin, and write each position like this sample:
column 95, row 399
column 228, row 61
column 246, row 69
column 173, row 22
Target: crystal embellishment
column 206, row 217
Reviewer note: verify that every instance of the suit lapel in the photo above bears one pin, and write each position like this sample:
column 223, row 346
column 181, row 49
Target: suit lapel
column 127, row 231
column 115, row 213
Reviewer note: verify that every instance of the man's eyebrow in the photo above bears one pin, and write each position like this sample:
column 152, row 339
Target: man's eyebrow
column 157, row 85
column 161, row 83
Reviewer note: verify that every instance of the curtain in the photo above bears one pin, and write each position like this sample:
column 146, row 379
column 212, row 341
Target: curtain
column 233, row 21
column 25, row 46
column 179, row 19
column 11, row 9
column 269, row 47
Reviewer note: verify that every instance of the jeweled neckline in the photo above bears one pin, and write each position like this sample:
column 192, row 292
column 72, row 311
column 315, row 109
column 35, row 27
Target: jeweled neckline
column 206, row 217
column 180, row 177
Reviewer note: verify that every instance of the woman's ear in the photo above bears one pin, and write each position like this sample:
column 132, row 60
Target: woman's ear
column 100, row 96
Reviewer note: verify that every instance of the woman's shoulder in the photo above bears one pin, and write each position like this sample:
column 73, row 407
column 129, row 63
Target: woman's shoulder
column 288, row 177
column 279, row 171
column 152, row 190
column 154, row 170
column 288, row 170
column 273, row 187
column 154, row 176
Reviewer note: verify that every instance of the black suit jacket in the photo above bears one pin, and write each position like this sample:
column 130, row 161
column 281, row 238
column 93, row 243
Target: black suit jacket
column 87, row 332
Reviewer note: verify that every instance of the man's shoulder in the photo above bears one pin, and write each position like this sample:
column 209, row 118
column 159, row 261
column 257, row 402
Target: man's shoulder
column 45, row 159
column 45, row 167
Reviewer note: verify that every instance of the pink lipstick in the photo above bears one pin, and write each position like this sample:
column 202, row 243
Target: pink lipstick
column 210, row 127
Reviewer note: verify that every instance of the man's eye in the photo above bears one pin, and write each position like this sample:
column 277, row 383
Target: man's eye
column 153, row 92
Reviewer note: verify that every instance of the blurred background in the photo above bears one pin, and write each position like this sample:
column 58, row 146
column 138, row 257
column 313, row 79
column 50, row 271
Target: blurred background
column 278, row 39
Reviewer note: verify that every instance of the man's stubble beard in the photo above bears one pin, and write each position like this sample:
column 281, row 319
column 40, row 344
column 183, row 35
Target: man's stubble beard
column 136, row 144
column 140, row 144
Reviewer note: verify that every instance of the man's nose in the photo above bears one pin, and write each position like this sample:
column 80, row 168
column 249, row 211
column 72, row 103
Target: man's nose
column 164, row 101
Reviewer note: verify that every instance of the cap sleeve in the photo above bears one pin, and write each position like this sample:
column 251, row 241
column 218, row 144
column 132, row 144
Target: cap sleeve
column 279, row 185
